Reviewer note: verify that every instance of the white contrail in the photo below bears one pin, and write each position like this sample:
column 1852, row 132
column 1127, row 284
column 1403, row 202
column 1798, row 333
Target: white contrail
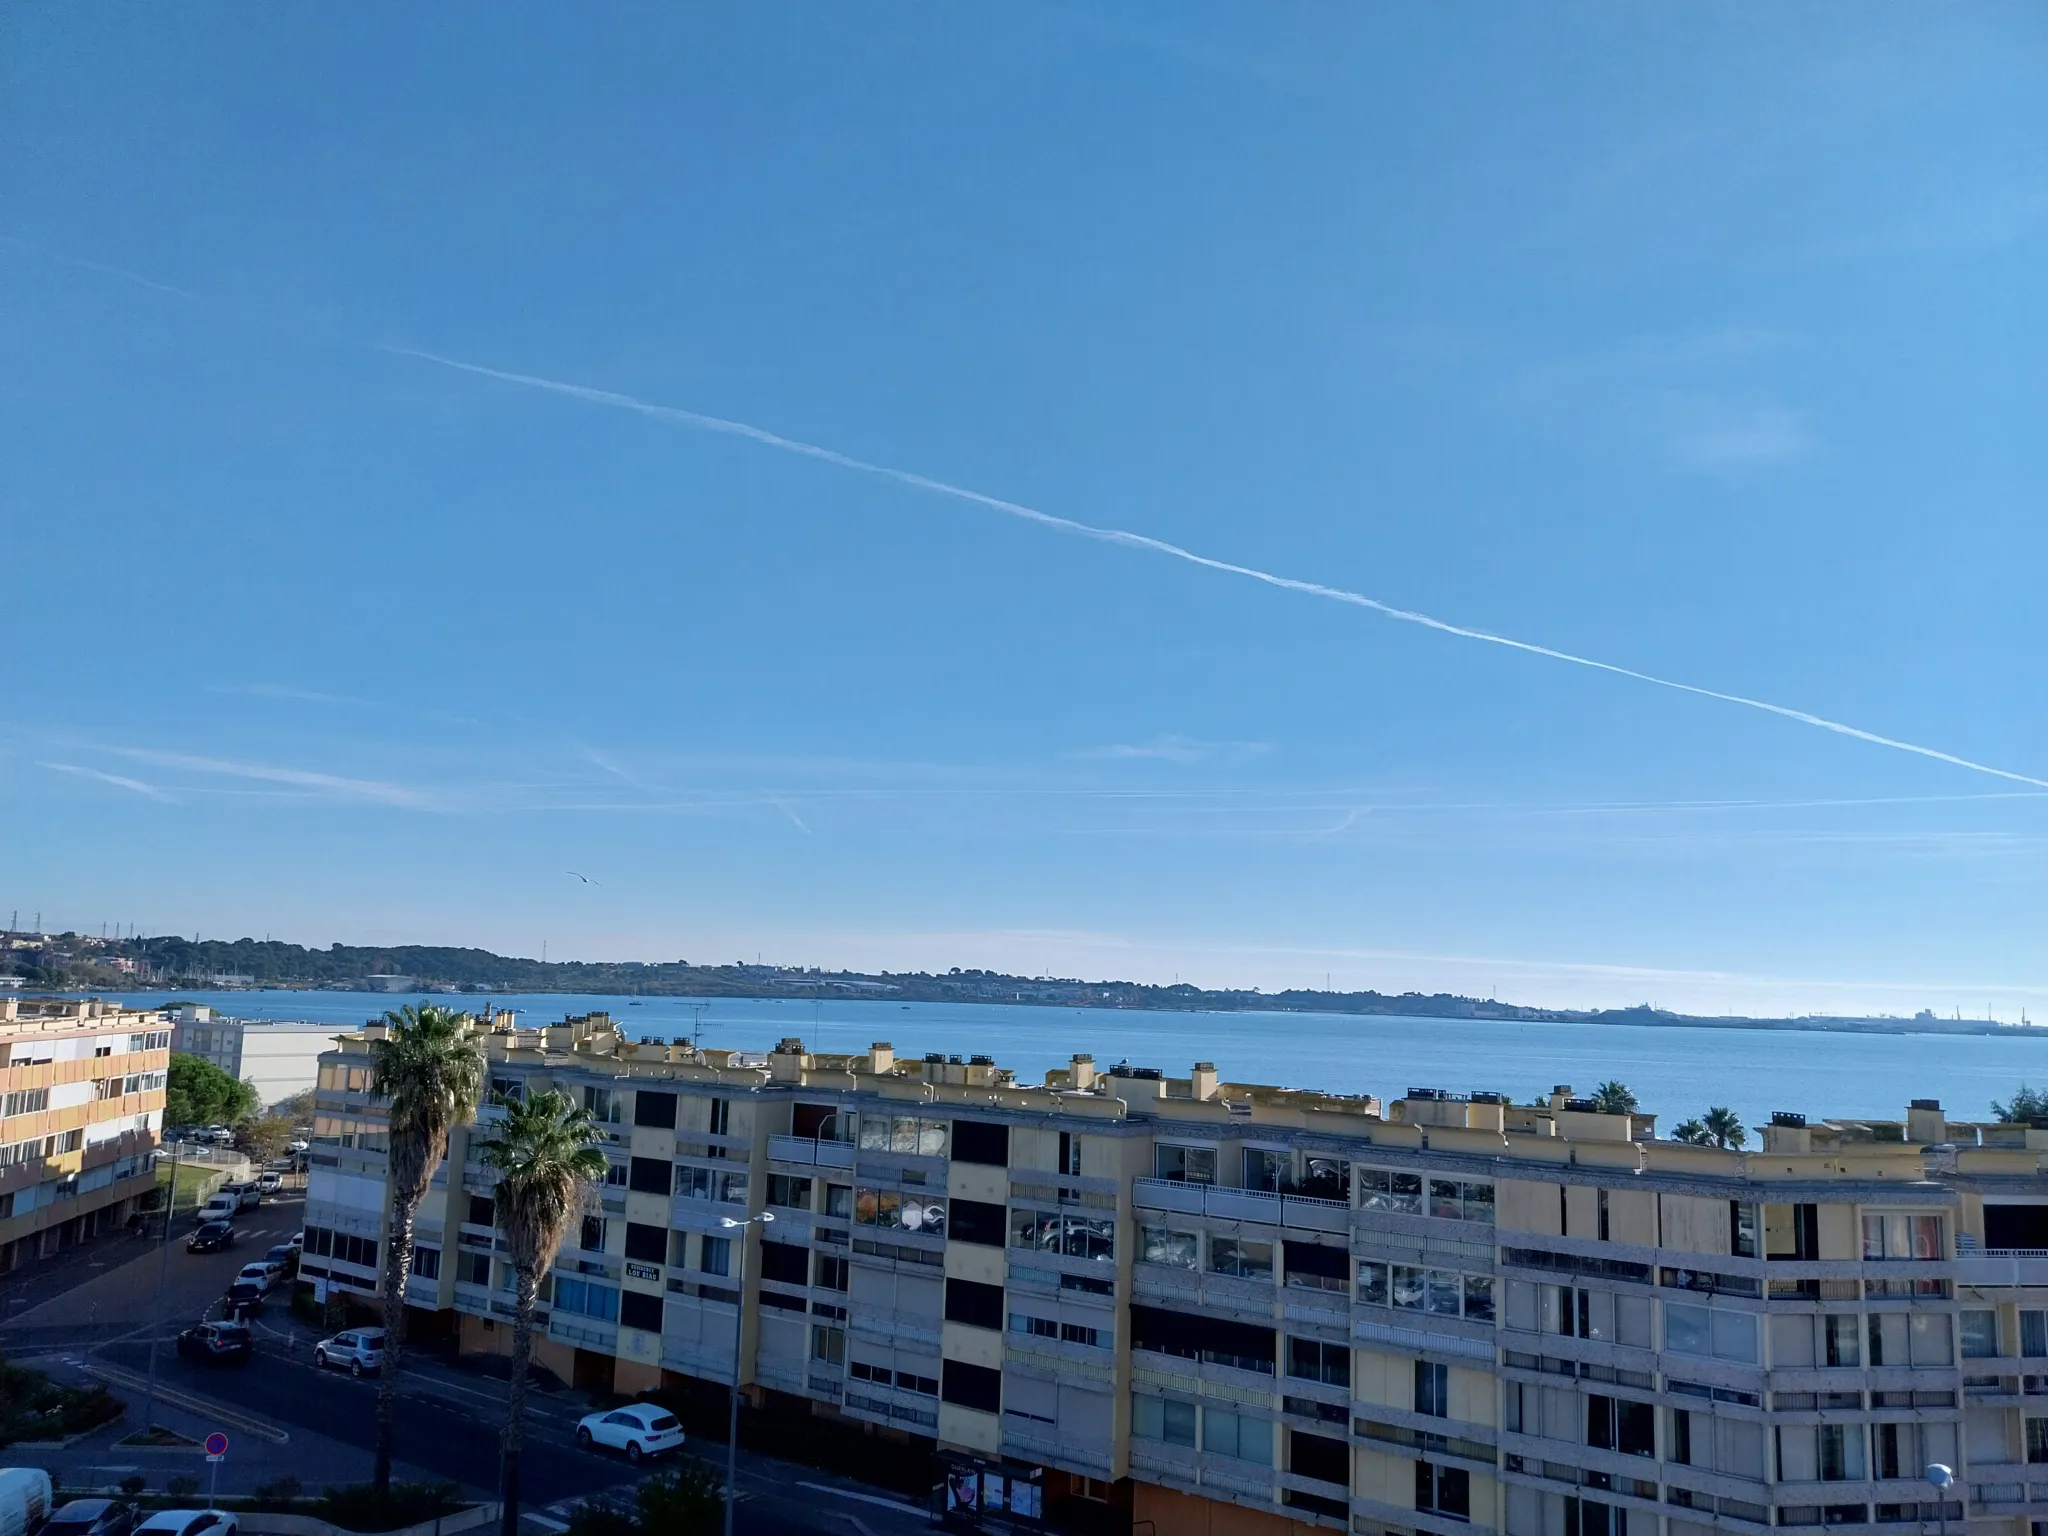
column 1160, row 546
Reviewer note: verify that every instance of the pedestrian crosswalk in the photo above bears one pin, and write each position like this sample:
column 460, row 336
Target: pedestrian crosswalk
column 556, row 1516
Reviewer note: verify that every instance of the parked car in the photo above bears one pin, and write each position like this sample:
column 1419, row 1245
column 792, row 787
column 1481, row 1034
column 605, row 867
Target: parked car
column 359, row 1350
column 298, row 1242
column 211, row 1237
column 639, row 1429
column 221, row 1206
column 270, row 1182
column 247, row 1196
column 189, row 1522
column 92, row 1517
column 260, row 1272
column 243, row 1298
column 285, row 1257
column 25, row 1499
column 216, row 1344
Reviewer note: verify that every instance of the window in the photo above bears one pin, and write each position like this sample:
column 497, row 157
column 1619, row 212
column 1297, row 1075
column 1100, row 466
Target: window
column 1081, row 1333
column 974, row 1303
column 979, row 1221
column 1162, row 1245
column 639, row 1310
column 787, row 1263
column 725, row 1186
column 717, row 1256
column 25, row 1101
column 2037, row 1440
column 976, row 1141
column 1479, row 1298
column 1980, row 1332
column 828, row 1345
column 971, row 1386
column 839, row 1200
column 1159, row 1418
column 1237, row 1435
column 1219, row 1341
column 615, row 1175
column 1313, row 1360
column 2033, row 1334
column 1446, row 1490
column 1265, row 1169
column 603, row 1105
column 655, row 1109
column 591, row 1237
column 1069, row 1159
column 1385, row 1191
column 1241, row 1257
column 904, row 1134
column 647, row 1244
column 829, row 1272
column 473, row 1268
column 1826, row 1453
column 1744, row 1233
column 1842, row 1336
column 426, row 1262
column 1715, row 1333
column 721, row 1117
column 789, row 1191
column 1901, row 1236
column 1034, row 1327
column 1317, row 1266
column 650, row 1176
column 1318, row 1457
column 1617, row 1424
column 1184, row 1165
column 586, row 1298
column 1432, row 1389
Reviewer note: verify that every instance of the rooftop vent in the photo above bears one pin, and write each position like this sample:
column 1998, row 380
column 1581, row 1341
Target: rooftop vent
column 953, row 1060
column 789, row 1047
column 1933, row 1104
column 1145, row 1074
column 1483, row 1097
column 1787, row 1117
column 1427, row 1093
column 936, row 1057
column 1583, row 1106
column 1563, row 1088
column 981, row 1061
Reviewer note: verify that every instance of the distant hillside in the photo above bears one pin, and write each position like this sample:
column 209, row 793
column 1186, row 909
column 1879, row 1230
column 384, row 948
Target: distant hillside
column 75, row 960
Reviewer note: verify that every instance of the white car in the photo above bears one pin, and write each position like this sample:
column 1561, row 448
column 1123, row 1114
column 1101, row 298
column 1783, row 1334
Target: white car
column 221, row 1207
column 361, row 1350
column 259, row 1272
column 270, row 1183
column 638, row 1429
column 189, row 1522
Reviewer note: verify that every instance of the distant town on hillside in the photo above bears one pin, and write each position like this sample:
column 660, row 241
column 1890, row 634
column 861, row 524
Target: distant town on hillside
column 74, row 961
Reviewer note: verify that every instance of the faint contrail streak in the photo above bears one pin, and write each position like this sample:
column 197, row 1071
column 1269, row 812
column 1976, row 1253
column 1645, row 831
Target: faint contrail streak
column 1161, row 547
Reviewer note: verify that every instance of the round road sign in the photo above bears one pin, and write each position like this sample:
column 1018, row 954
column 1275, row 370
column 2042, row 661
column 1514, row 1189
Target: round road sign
column 216, row 1444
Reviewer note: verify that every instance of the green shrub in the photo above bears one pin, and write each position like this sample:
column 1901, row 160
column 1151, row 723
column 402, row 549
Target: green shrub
column 283, row 1490
column 33, row 1407
column 687, row 1498
column 183, row 1486
column 359, row 1508
column 601, row 1517
column 133, row 1484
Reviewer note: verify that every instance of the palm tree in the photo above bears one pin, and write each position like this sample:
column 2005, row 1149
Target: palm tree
column 429, row 1071
column 1725, row 1126
column 1614, row 1098
column 2027, row 1107
column 1692, row 1133
column 546, row 1154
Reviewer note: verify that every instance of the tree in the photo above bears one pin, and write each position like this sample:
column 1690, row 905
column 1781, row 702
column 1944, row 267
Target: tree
column 547, row 1158
column 1692, row 1133
column 196, row 1092
column 688, row 1498
column 430, row 1073
column 296, row 1110
column 2029, row 1106
column 267, row 1137
column 1614, row 1099
column 1725, row 1126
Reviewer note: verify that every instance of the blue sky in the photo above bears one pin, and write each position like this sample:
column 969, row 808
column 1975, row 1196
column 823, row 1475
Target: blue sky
column 1706, row 342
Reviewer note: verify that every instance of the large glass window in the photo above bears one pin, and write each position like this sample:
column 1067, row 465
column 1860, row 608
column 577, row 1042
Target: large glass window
column 1385, row 1191
column 1265, row 1168
column 1238, row 1435
column 1184, row 1165
column 1162, row 1245
column 1980, row 1332
column 1241, row 1257
column 1714, row 1333
column 1901, row 1235
column 1157, row 1418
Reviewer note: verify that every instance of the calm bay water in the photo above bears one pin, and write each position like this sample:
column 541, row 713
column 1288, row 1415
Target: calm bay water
column 1675, row 1072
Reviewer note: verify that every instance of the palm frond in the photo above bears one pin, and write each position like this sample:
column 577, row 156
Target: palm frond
column 547, row 1156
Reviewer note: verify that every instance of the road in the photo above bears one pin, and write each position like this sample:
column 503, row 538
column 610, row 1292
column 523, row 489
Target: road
column 449, row 1416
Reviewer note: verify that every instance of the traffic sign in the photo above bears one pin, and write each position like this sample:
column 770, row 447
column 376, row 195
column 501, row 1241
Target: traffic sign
column 216, row 1446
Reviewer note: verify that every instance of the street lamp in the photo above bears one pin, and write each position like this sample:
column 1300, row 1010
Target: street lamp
column 739, row 1328
column 1939, row 1478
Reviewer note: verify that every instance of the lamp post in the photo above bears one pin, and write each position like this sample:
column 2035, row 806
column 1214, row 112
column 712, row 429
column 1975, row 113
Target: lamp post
column 162, row 1269
column 1939, row 1478
column 739, row 1328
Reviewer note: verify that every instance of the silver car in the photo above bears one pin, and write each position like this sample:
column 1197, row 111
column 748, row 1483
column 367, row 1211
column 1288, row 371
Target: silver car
column 359, row 1350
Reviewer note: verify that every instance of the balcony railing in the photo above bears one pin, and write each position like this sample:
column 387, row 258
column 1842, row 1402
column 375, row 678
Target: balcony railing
column 817, row 1151
column 1232, row 1204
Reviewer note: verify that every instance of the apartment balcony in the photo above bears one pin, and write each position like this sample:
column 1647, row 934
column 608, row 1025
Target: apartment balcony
column 584, row 1332
column 1228, row 1204
column 2001, row 1267
column 810, row 1151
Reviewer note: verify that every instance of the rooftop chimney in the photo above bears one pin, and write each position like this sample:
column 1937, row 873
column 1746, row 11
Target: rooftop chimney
column 882, row 1057
column 1204, row 1080
column 1083, row 1075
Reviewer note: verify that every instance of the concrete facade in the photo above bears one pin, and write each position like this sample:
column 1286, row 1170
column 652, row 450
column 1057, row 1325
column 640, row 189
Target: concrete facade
column 81, row 1110
column 277, row 1058
column 1229, row 1307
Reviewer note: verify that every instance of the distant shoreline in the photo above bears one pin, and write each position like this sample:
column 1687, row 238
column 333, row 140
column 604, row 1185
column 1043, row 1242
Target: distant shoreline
column 1335, row 1005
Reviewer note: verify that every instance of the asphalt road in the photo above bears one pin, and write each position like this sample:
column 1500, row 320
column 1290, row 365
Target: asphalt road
column 449, row 1417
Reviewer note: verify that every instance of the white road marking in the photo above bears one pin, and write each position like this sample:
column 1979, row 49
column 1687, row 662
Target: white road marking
column 866, row 1498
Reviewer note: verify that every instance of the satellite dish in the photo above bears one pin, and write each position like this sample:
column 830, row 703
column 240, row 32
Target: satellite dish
column 1938, row 1475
